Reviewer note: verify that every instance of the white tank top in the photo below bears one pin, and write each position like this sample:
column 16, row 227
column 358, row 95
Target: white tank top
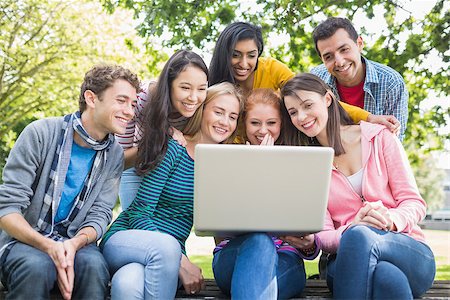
column 356, row 181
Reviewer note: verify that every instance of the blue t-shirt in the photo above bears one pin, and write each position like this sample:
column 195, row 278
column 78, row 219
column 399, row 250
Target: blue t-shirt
column 81, row 160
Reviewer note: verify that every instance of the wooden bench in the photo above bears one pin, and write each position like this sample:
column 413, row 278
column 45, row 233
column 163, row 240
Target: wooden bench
column 315, row 289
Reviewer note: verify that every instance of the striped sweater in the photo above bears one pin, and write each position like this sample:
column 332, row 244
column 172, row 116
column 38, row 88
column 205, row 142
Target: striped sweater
column 164, row 201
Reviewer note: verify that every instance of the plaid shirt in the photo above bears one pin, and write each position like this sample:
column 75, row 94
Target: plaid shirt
column 384, row 91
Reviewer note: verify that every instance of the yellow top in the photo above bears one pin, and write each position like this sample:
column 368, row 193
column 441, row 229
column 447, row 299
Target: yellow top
column 273, row 74
column 357, row 114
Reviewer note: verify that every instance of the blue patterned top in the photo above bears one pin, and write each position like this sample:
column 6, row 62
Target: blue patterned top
column 384, row 91
column 164, row 201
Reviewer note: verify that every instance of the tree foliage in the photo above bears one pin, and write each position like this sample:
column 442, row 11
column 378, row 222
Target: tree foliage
column 405, row 46
column 45, row 49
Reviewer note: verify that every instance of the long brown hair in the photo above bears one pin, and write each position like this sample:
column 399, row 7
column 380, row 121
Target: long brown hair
column 220, row 66
column 153, row 145
column 337, row 116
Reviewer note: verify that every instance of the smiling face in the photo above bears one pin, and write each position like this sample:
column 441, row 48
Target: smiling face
column 188, row 90
column 260, row 120
column 308, row 112
column 342, row 57
column 111, row 112
column 219, row 120
column 244, row 59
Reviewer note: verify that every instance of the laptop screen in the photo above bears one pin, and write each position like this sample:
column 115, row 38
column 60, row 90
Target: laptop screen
column 276, row 189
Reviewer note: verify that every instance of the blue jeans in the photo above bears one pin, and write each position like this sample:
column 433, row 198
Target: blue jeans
column 129, row 185
column 29, row 273
column 249, row 267
column 374, row 264
column 145, row 264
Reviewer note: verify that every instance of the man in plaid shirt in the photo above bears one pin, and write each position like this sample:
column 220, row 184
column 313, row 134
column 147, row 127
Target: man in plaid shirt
column 353, row 78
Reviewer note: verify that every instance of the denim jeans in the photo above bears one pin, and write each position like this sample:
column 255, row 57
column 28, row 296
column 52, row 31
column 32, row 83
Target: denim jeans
column 145, row 264
column 29, row 273
column 374, row 264
column 249, row 267
column 129, row 185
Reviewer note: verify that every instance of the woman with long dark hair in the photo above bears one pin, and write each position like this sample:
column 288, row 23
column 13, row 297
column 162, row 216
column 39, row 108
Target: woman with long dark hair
column 163, row 107
column 377, row 249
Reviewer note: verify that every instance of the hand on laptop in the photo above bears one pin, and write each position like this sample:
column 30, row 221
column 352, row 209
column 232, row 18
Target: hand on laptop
column 305, row 242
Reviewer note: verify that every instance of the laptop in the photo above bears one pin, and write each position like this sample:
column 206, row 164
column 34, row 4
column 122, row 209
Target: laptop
column 280, row 190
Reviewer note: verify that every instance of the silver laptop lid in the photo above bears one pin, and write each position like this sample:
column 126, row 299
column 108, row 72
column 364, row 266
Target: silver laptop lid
column 276, row 189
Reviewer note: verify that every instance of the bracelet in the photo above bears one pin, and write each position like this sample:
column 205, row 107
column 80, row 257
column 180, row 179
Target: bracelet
column 86, row 235
column 309, row 251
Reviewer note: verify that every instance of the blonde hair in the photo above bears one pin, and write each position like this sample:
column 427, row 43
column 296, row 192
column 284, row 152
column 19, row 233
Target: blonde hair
column 225, row 88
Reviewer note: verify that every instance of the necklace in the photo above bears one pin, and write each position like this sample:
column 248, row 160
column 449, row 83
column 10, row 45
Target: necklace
column 336, row 162
column 335, row 165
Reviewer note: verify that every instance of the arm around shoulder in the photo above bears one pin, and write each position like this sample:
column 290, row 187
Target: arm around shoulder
column 357, row 114
column 398, row 95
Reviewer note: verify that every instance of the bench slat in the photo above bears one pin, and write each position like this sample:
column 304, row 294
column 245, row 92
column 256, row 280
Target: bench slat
column 314, row 289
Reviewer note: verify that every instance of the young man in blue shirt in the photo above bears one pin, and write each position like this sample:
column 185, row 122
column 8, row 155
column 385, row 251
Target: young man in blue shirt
column 60, row 184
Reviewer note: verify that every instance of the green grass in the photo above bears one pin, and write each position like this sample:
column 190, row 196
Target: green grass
column 442, row 270
column 204, row 262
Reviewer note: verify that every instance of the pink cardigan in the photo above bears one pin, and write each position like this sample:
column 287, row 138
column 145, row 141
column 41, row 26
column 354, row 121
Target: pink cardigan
column 387, row 177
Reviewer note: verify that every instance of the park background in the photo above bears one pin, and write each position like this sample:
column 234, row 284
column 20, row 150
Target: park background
column 46, row 46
